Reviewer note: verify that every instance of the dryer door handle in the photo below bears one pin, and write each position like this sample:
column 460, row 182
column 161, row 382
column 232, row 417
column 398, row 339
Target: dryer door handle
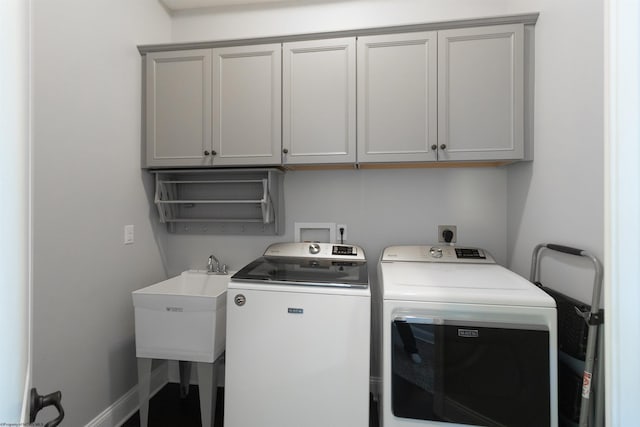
column 419, row 320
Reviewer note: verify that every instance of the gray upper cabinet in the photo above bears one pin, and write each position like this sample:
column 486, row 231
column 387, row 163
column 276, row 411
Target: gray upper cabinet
column 442, row 92
column 480, row 93
column 461, row 100
column 178, row 108
column 397, row 97
column 214, row 107
column 319, row 101
column 247, row 105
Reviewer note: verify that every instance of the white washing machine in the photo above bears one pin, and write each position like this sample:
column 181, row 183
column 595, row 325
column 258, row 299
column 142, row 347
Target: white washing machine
column 464, row 341
column 298, row 335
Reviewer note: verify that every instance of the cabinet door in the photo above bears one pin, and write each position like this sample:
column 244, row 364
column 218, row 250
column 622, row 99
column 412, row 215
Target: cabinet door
column 178, row 108
column 480, row 98
column 319, row 101
column 397, row 95
column 247, row 105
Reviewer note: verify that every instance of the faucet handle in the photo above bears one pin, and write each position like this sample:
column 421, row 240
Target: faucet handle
column 214, row 266
column 211, row 267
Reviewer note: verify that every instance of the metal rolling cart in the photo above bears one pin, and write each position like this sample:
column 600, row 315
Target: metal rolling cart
column 580, row 346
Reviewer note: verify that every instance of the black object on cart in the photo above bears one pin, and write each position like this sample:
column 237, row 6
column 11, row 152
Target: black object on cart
column 580, row 398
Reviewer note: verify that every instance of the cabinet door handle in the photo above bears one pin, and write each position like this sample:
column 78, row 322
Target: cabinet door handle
column 443, row 146
column 206, row 153
column 285, row 150
column 434, row 147
column 214, row 152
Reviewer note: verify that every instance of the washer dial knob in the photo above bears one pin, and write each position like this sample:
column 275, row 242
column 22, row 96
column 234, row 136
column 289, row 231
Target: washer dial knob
column 435, row 252
column 240, row 300
column 314, row 248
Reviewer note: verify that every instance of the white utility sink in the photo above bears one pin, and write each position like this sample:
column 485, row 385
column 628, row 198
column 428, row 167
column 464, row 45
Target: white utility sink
column 182, row 318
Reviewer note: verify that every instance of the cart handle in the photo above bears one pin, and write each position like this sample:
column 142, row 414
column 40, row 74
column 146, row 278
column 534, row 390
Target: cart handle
column 565, row 249
column 597, row 283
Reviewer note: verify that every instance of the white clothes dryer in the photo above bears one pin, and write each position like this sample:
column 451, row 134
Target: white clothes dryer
column 465, row 342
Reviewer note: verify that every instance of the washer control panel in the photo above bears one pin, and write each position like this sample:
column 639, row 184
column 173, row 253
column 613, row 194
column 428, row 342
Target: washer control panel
column 316, row 250
column 344, row 250
column 450, row 254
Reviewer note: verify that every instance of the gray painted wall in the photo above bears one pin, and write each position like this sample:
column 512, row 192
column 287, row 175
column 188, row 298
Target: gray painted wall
column 87, row 185
column 559, row 197
column 379, row 207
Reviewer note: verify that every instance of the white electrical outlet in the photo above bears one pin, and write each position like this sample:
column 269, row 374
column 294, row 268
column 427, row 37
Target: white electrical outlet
column 341, row 237
column 128, row 235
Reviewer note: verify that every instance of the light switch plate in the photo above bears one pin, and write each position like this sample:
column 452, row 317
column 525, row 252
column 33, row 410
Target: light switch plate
column 128, row 235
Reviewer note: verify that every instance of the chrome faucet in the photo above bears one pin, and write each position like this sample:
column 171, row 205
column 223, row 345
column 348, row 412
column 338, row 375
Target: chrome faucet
column 214, row 267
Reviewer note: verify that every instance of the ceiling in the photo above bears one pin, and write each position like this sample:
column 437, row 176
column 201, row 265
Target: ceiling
column 176, row 5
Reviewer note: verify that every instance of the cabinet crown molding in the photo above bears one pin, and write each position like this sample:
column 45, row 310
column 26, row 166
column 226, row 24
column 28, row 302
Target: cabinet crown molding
column 524, row 18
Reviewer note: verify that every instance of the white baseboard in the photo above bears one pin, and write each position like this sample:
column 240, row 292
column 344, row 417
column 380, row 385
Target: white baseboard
column 122, row 409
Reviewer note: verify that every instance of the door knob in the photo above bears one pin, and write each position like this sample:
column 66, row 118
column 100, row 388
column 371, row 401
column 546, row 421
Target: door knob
column 443, row 146
column 434, row 147
column 206, row 152
column 38, row 402
column 285, row 150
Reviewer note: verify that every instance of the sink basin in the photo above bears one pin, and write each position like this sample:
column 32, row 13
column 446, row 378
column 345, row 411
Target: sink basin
column 182, row 318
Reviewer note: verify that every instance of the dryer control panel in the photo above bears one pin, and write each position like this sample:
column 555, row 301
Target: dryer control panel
column 436, row 253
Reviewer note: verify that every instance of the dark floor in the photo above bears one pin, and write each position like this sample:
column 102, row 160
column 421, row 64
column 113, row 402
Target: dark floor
column 167, row 409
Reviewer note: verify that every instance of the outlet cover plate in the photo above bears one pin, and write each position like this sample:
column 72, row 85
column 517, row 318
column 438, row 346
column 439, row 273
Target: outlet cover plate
column 442, row 228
